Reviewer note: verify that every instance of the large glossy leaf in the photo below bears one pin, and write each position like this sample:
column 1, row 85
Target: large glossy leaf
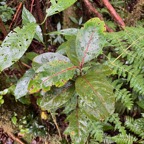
column 15, row 45
column 57, row 97
column 78, row 127
column 58, row 6
column 90, row 40
column 54, row 69
column 27, row 17
column 22, row 85
column 96, row 93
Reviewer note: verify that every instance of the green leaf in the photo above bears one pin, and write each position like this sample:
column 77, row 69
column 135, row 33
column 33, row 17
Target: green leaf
column 73, row 19
column 14, row 120
column 25, row 100
column 15, row 45
column 141, row 103
column 53, row 73
column 70, row 105
column 48, row 57
column 90, row 40
column 62, row 48
column 96, row 93
column 58, row 6
column 27, row 17
column 31, row 55
column 69, row 48
column 51, row 69
column 22, row 85
column 67, row 32
column 78, row 127
column 71, row 51
column 57, row 97
column 4, row 92
column 1, row 100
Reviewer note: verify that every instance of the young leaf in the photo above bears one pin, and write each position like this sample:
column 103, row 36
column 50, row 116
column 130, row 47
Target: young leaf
column 97, row 94
column 27, row 17
column 57, row 97
column 90, row 40
column 22, row 85
column 78, row 127
column 58, row 6
column 15, row 45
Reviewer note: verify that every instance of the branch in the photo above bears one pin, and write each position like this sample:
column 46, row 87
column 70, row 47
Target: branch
column 54, row 120
column 93, row 10
column 32, row 3
column 39, row 11
column 2, row 27
column 15, row 138
column 16, row 14
column 114, row 14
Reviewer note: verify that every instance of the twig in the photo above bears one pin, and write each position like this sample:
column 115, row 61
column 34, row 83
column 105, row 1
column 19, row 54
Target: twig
column 24, row 64
column 15, row 138
column 54, row 120
column 39, row 11
column 2, row 27
column 32, row 6
column 16, row 14
column 93, row 10
column 114, row 14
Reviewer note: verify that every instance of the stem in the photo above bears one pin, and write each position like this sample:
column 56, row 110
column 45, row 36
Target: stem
column 15, row 138
column 93, row 10
column 24, row 64
column 2, row 27
column 114, row 14
column 54, row 120
column 32, row 3
column 77, row 107
column 16, row 14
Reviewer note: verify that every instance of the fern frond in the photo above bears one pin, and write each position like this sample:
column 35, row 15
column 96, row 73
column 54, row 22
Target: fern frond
column 96, row 130
column 118, row 125
column 133, row 75
column 124, row 139
column 136, row 126
column 119, row 67
column 122, row 95
column 128, row 43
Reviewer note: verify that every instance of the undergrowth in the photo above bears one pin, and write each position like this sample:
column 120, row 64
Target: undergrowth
column 95, row 79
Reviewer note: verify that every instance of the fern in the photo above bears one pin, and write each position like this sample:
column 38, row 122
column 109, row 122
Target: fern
column 118, row 125
column 96, row 130
column 133, row 75
column 123, row 95
column 124, row 139
column 136, row 126
column 127, row 60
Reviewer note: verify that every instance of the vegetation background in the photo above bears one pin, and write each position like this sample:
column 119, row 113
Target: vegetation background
column 72, row 71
